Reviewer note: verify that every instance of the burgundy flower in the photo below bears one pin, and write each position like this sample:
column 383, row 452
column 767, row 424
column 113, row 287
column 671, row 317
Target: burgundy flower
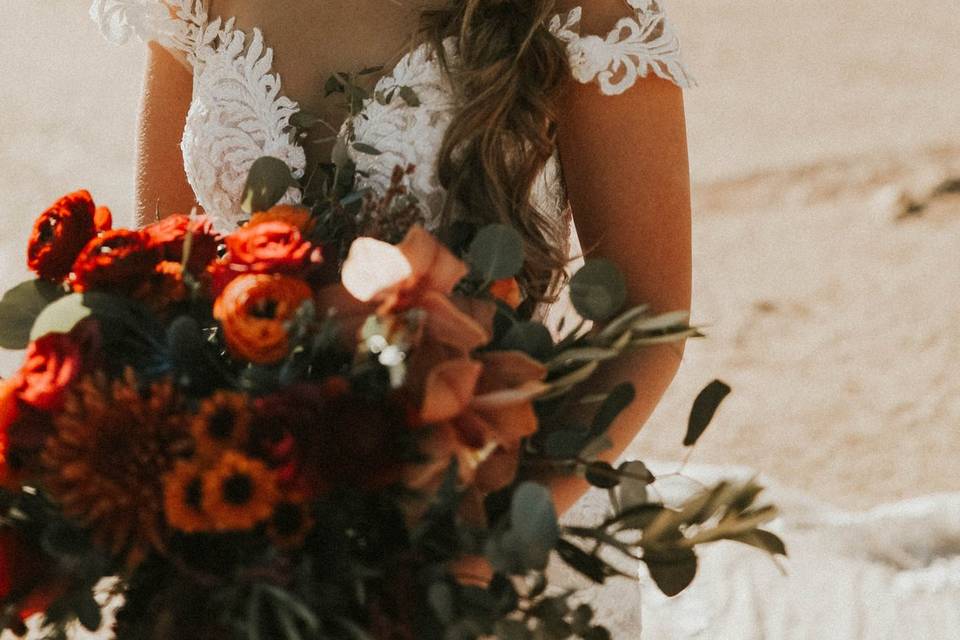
column 169, row 236
column 117, row 260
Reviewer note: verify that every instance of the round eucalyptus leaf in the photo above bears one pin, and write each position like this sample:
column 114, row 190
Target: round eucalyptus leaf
column 61, row 316
column 598, row 290
column 533, row 525
column 532, row 338
column 267, row 183
column 496, row 252
column 19, row 309
column 602, row 475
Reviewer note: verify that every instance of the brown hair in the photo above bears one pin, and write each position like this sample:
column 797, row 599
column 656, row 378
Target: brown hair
column 507, row 78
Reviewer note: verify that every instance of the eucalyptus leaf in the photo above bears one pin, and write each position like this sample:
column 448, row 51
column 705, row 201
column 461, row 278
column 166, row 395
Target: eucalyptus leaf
column 367, row 149
column 20, row 307
column 704, row 408
column 496, row 252
column 633, row 487
column 532, row 534
column 89, row 613
column 268, row 181
column 602, row 475
column 565, row 443
column 595, row 447
column 532, row 338
column 64, row 314
column 598, row 290
column 671, row 570
column 589, row 565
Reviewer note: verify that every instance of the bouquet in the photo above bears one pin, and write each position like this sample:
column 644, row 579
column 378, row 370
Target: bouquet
column 298, row 431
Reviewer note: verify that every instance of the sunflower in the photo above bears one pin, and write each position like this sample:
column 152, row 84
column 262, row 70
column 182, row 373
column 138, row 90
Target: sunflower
column 290, row 524
column 239, row 493
column 183, row 498
column 223, row 422
column 111, row 446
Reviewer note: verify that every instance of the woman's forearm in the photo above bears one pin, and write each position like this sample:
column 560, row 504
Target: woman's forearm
column 161, row 184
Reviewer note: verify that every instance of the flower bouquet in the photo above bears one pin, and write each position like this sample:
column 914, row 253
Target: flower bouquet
column 297, row 431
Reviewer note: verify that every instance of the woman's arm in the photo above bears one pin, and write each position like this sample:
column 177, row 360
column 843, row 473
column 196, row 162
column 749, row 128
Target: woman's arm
column 161, row 184
column 627, row 175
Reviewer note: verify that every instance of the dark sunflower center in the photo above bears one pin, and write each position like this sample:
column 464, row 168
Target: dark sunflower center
column 238, row 489
column 287, row 519
column 48, row 230
column 220, row 426
column 266, row 309
column 194, row 494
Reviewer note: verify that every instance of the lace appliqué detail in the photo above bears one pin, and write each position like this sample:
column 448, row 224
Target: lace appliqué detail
column 405, row 134
column 237, row 113
column 637, row 45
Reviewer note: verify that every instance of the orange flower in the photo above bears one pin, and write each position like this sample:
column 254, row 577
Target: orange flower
column 480, row 411
column 223, row 422
column 183, row 498
column 254, row 310
column 417, row 273
column 61, row 232
column 294, row 216
column 507, row 291
column 239, row 493
column 163, row 287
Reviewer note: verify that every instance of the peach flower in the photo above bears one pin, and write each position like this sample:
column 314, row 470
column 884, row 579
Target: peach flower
column 417, row 273
column 480, row 410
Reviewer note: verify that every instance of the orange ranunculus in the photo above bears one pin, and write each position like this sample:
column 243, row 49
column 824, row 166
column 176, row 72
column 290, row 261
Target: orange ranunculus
column 507, row 291
column 61, row 232
column 480, row 411
column 268, row 247
column 254, row 310
column 53, row 362
column 169, row 236
column 417, row 273
column 117, row 260
column 294, row 216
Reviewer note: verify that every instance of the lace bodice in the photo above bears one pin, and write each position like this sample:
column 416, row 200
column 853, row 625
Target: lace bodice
column 238, row 112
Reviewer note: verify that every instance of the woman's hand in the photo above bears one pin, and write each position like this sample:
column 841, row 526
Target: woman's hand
column 626, row 169
column 161, row 184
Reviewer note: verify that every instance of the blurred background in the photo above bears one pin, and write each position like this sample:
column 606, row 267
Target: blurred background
column 825, row 153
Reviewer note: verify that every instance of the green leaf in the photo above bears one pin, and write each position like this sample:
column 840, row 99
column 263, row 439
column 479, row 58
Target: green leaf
column 441, row 601
column 64, row 314
column 88, row 612
column 532, row 338
column 370, row 150
column 673, row 320
column 589, row 565
column 671, row 570
column 598, row 290
column 19, row 309
column 565, row 443
column 268, row 181
column 408, row 95
column 638, row 517
column 633, row 486
column 496, row 252
column 762, row 539
column 512, row 630
column 621, row 397
column 532, row 535
column 595, row 447
column 704, row 408
column 304, row 120
column 602, row 475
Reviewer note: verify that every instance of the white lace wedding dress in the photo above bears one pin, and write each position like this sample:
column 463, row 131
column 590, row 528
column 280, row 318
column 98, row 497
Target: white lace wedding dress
column 888, row 573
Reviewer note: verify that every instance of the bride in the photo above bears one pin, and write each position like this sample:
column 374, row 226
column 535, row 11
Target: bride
column 540, row 114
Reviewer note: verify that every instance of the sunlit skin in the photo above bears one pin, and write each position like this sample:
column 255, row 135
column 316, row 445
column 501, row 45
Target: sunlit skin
column 624, row 158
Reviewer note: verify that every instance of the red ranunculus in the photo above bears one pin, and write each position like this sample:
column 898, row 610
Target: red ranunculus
column 324, row 436
column 117, row 260
column 53, row 362
column 61, row 232
column 169, row 235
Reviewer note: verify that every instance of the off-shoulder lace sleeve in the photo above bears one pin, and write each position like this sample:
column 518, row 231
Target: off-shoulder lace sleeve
column 638, row 44
column 179, row 25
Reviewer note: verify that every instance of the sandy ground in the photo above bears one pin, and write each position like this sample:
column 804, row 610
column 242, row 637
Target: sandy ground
column 832, row 320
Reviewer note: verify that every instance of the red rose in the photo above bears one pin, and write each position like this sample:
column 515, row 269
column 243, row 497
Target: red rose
column 323, row 436
column 169, row 235
column 61, row 232
column 53, row 362
column 118, row 260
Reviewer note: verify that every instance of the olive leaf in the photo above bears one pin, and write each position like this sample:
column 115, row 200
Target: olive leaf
column 268, row 181
column 672, row 570
column 19, row 309
column 364, row 148
column 704, row 408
